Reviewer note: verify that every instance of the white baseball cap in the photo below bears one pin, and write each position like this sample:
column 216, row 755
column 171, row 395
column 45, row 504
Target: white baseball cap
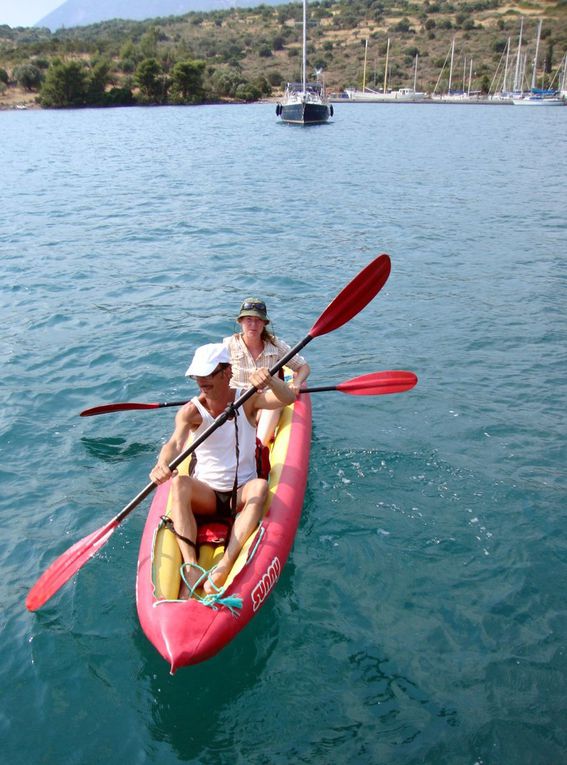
column 207, row 358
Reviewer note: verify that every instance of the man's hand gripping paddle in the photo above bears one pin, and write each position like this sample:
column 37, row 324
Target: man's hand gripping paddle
column 350, row 301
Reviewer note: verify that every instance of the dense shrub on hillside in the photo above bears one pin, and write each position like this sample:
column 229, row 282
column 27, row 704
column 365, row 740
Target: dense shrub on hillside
column 260, row 41
column 187, row 81
column 65, row 85
column 28, row 76
column 152, row 81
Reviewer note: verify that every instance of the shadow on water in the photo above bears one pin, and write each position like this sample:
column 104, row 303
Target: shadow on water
column 115, row 449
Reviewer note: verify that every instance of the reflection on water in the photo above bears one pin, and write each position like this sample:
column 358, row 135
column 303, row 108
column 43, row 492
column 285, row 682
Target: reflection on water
column 115, row 449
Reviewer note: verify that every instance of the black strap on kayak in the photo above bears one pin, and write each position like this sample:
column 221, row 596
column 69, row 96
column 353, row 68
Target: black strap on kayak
column 233, row 414
column 168, row 523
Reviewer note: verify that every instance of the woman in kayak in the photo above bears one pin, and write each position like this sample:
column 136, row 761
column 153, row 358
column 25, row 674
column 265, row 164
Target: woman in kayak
column 254, row 348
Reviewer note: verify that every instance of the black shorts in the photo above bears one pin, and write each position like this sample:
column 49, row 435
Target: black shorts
column 224, row 502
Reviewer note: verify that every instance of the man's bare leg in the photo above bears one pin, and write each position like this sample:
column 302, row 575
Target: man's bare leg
column 187, row 495
column 253, row 497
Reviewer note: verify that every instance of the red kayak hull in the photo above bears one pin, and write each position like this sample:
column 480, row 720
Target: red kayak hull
column 187, row 632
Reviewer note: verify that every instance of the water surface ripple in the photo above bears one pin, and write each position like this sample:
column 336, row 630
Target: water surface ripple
column 421, row 617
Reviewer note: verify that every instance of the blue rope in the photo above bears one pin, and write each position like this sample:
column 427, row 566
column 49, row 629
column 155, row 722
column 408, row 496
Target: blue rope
column 193, row 588
column 213, row 599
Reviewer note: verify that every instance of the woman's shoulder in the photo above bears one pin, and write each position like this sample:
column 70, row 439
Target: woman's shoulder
column 278, row 343
column 232, row 341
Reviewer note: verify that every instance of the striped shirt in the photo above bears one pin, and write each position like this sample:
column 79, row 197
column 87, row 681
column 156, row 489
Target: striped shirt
column 243, row 364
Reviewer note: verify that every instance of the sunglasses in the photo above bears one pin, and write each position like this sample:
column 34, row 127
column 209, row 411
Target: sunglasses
column 253, row 307
column 213, row 373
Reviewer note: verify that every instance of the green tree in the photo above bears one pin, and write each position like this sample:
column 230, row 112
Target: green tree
column 247, row 92
column 98, row 80
column 264, row 51
column 149, row 78
column 41, row 63
column 275, row 79
column 263, row 84
column 278, row 42
column 65, row 85
column 149, row 43
column 225, row 81
column 187, row 80
column 129, row 52
column 119, row 97
column 28, row 76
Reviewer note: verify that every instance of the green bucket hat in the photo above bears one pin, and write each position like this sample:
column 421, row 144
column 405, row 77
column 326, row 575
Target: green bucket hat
column 253, row 307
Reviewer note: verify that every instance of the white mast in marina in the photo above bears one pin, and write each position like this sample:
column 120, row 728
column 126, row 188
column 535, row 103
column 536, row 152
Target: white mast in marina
column 415, row 73
column 534, row 70
column 451, row 66
column 517, row 75
column 304, row 63
column 386, row 66
column 505, row 83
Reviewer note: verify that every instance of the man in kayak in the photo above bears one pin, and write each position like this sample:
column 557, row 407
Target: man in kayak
column 225, row 480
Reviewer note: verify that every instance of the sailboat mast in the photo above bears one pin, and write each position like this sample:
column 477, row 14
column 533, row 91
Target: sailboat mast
column 304, row 64
column 415, row 73
column 364, row 70
column 517, row 80
column 534, row 70
column 386, row 67
column 505, row 83
column 451, row 66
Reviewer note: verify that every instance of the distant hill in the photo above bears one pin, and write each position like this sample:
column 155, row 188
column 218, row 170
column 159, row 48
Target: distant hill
column 75, row 13
column 255, row 46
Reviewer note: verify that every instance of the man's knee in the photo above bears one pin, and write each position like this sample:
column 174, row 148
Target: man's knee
column 260, row 488
column 182, row 486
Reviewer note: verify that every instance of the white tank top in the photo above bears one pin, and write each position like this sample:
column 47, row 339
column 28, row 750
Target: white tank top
column 216, row 456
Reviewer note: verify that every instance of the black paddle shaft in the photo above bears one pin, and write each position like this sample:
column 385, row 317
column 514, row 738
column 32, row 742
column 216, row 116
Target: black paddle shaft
column 219, row 421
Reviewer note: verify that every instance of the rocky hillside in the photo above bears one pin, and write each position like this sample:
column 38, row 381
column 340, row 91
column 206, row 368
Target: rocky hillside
column 265, row 42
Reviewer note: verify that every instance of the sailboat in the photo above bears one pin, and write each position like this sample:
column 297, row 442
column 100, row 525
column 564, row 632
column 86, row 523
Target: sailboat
column 373, row 96
column 538, row 96
column 502, row 95
column 305, row 103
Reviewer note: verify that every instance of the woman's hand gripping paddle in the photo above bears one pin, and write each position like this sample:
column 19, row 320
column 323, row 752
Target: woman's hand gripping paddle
column 350, row 301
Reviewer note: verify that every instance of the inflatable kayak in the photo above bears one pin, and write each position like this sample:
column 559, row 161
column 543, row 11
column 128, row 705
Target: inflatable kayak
column 192, row 630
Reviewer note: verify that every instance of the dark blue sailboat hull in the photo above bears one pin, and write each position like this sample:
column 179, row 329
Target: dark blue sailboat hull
column 305, row 114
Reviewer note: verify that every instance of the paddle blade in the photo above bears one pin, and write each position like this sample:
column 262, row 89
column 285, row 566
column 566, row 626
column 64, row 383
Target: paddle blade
column 107, row 408
column 354, row 297
column 124, row 406
column 67, row 564
column 379, row 383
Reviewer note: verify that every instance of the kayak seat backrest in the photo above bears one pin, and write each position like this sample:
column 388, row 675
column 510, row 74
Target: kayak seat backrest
column 212, row 533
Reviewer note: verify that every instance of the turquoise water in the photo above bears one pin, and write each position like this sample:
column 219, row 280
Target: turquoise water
column 421, row 617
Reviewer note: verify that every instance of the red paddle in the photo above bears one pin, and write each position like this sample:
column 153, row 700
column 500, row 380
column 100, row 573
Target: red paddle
column 374, row 384
column 350, row 301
